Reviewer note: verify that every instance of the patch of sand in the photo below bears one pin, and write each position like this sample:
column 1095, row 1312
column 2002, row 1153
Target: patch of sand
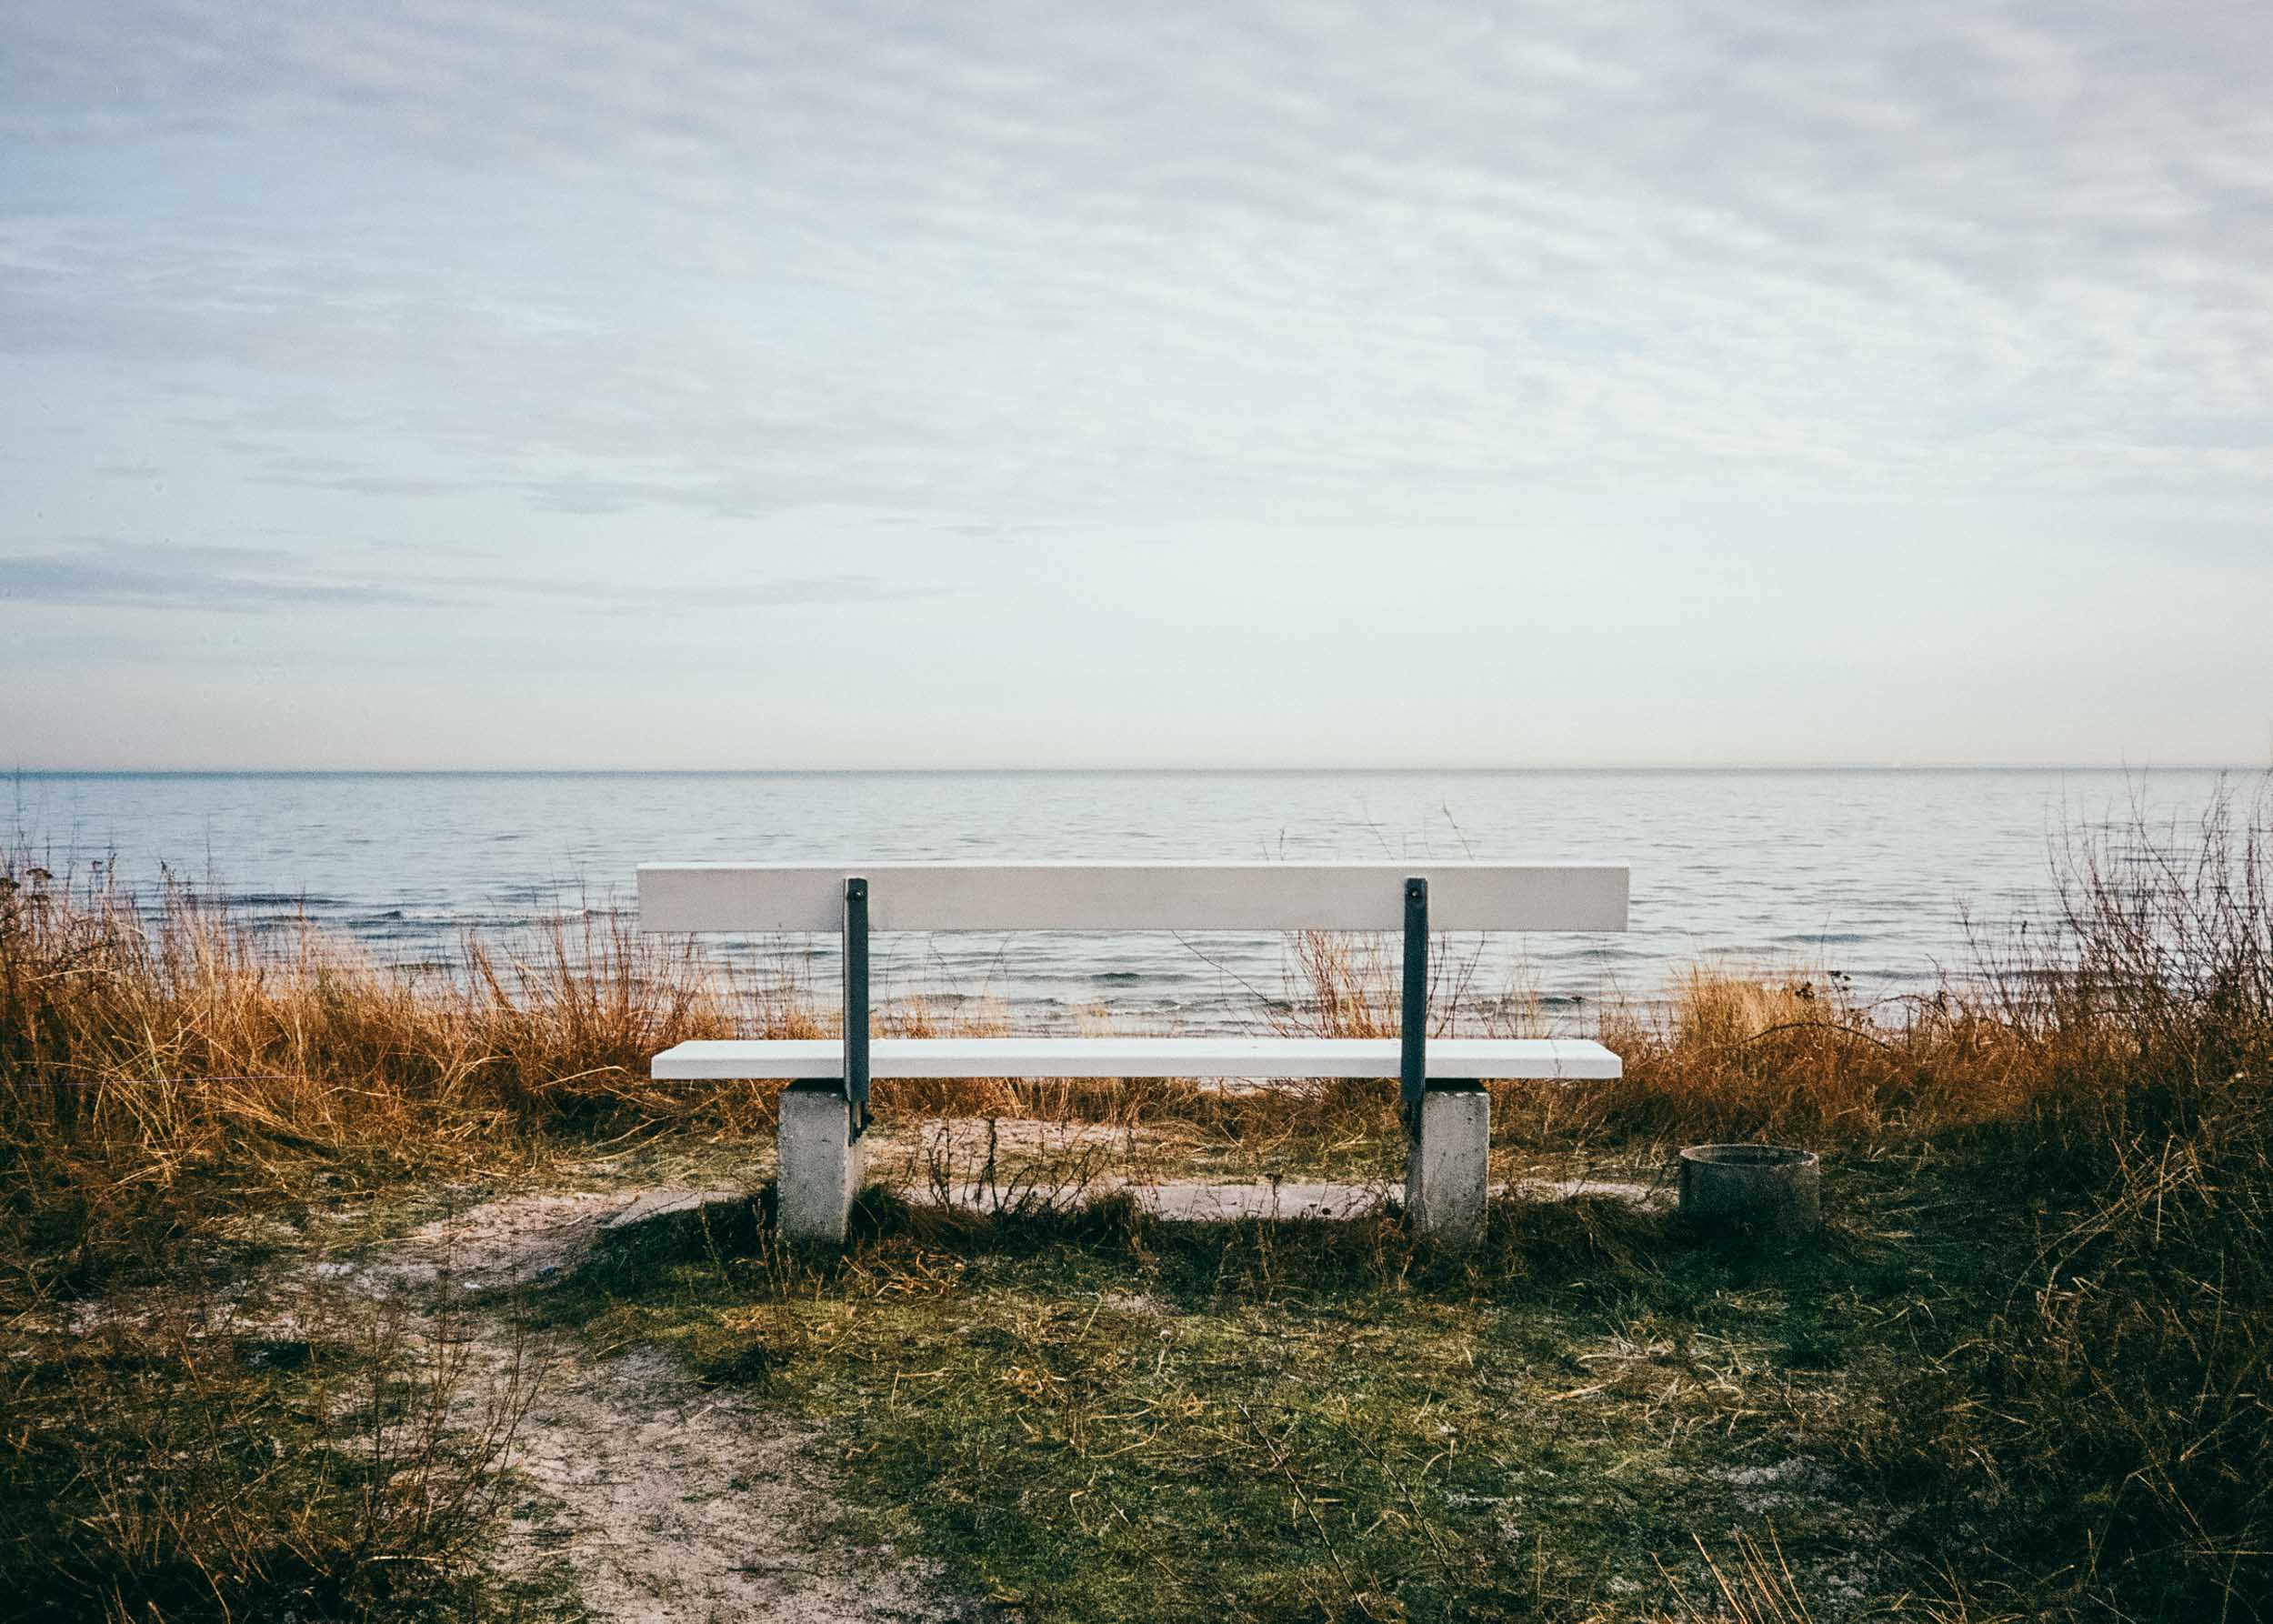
column 1267, row 1199
column 506, row 1242
column 675, row 1505
column 669, row 1503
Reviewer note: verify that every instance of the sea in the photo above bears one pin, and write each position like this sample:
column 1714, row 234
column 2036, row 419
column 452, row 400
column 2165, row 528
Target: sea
column 1880, row 880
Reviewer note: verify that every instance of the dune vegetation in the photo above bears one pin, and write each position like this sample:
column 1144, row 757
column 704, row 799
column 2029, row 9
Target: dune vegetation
column 2027, row 1372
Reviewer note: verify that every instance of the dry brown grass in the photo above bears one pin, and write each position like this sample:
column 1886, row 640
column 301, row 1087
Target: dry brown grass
column 160, row 1065
column 1750, row 1585
column 187, row 1456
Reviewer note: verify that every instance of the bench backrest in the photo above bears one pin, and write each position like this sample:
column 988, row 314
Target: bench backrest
column 1357, row 897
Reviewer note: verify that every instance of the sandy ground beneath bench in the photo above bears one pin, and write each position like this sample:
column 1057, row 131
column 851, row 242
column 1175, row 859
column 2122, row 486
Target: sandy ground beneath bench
column 1270, row 1199
column 668, row 1503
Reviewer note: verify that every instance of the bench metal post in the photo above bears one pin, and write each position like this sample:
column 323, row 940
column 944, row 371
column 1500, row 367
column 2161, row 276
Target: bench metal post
column 1413, row 1011
column 857, row 1003
column 1448, row 1124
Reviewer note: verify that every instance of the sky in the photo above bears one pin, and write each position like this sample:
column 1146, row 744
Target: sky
column 491, row 384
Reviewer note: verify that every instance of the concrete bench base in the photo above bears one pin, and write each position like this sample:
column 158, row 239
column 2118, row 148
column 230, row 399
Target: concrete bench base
column 822, row 1165
column 1449, row 1163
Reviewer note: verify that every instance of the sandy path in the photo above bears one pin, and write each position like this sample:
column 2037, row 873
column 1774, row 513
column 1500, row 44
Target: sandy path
column 670, row 1503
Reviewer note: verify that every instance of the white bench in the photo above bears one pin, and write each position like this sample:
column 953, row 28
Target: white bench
column 824, row 1111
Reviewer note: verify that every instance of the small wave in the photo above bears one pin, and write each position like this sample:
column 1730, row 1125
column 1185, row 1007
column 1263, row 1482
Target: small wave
column 1587, row 955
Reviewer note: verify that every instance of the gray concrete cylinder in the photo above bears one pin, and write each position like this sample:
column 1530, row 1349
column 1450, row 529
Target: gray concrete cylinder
column 1763, row 1189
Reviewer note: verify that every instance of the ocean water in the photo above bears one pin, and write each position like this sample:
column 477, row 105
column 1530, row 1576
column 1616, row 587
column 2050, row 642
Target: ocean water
column 1869, row 873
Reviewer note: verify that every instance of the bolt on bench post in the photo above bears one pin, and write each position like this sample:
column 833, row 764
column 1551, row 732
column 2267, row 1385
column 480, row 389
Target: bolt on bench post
column 821, row 1154
column 1448, row 1124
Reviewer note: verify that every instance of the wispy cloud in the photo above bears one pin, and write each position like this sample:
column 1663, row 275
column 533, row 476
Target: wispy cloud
column 230, row 579
column 255, row 580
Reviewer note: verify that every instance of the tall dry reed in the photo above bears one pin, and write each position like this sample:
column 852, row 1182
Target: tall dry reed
column 158, row 1061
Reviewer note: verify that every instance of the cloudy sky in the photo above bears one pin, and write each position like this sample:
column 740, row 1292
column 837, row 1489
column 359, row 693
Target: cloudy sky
column 465, row 383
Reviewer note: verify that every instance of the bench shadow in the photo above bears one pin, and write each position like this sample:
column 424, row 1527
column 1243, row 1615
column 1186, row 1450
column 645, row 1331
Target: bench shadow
column 1587, row 1246
column 1591, row 1239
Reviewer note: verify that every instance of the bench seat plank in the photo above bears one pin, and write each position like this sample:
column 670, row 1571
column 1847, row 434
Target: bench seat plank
column 1562, row 1058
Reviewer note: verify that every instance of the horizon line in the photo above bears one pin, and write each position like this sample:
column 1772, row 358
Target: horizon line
column 1004, row 770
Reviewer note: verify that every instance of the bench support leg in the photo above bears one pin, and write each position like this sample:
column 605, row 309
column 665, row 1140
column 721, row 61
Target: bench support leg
column 1447, row 1164
column 821, row 1163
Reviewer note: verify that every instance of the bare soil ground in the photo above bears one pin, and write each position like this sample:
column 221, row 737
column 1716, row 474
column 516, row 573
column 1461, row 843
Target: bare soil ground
column 666, row 1502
